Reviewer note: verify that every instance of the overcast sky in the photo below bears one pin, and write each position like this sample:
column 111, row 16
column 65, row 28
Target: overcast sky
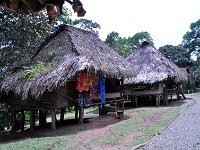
column 166, row 20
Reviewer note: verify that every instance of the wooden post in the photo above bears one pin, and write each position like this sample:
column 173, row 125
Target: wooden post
column 45, row 116
column 157, row 100
column 122, row 116
column 103, row 112
column 13, row 119
column 165, row 95
column 177, row 91
column 62, row 115
column 76, row 112
column 136, row 101
column 100, row 111
column 23, row 120
column 42, row 118
column 32, row 120
column 53, row 119
column 81, row 115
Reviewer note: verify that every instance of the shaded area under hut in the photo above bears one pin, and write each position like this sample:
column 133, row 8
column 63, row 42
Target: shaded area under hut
column 158, row 77
column 73, row 67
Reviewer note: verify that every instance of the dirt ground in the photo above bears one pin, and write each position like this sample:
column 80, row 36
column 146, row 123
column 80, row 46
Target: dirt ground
column 92, row 128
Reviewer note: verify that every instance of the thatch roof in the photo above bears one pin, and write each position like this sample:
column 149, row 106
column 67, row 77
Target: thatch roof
column 152, row 66
column 70, row 50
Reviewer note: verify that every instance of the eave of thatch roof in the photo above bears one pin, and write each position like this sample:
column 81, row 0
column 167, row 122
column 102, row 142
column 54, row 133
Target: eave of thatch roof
column 70, row 50
column 152, row 66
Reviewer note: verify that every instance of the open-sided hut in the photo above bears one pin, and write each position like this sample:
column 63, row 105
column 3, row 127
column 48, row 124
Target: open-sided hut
column 157, row 75
column 73, row 67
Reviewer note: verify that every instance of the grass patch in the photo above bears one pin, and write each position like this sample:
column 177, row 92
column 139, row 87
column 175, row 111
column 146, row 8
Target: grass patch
column 149, row 132
column 117, row 133
column 34, row 70
column 195, row 94
column 37, row 143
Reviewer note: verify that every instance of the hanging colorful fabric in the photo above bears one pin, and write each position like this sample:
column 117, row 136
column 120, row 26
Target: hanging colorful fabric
column 102, row 88
column 94, row 87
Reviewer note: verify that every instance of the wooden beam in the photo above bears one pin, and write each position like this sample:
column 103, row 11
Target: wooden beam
column 53, row 119
column 32, row 120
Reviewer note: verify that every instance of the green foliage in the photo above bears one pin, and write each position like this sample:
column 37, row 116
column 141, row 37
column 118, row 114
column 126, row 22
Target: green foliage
column 125, row 46
column 34, row 70
column 198, row 72
column 177, row 54
column 136, row 40
column 20, row 35
column 191, row 39
column 66, row 16
column 88, row 25
column 4, row 116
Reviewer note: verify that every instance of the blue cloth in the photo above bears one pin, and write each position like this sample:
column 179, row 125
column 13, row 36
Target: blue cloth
column 102, row 88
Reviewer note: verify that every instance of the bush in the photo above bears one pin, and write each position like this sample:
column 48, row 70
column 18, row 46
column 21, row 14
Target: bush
column 4, row 116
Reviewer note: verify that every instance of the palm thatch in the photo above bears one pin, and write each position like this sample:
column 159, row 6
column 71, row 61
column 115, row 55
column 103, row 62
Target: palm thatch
column 70, row 50
column 152, row 66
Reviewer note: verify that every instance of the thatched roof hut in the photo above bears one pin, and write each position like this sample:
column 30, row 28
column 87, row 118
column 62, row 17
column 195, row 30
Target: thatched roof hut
column 152, row 66
column 63, row 54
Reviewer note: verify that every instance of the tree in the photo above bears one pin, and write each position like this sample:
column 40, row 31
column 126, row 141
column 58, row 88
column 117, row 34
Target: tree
column 88, row 25
column 191, row 40
column 177, row 54
column 118, row 43
column 138, row 38
column 125, row 46
column 20, row 37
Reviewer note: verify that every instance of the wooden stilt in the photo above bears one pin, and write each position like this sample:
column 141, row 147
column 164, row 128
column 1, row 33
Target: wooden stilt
column 32, row 120
column 53, row 119
column 45, row 117
column 62, row 115
column 122, row 115
column 103, row 111
column 81, row 115
column 13, row 119
column 136, row 101
column 156, row 100
column 76, row 112
column 100, row 110
column 165, row 95
column 42, row 118
column 23, row 120
column 178, row 93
